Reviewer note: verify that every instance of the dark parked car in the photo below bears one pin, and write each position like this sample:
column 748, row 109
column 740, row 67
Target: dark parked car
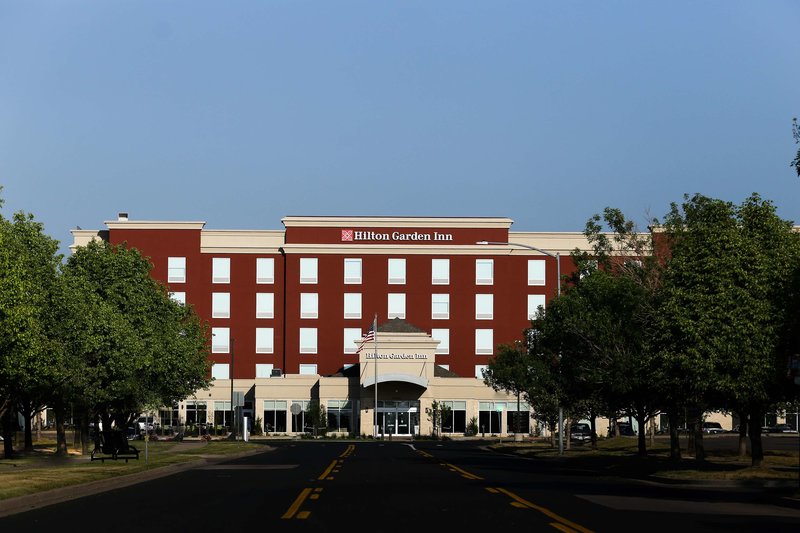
column 580, row 432
column 712, row 428
column 625, row 430
column 778, row 428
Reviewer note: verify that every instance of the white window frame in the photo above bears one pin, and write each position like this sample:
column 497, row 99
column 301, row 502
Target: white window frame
column 220, row 305
column 221, row 371
column 264, row 370
column 220, row 340
column 484, row 306
column 537, row 272
column 534, row 301
column 309, row 270
column 440, row 272
column 309, row 305
column 443, row 336
column 440, row 306
column 484, row 341
column 484, row 271
column 352, row 271
column 179, row 297
column 352, row 305
column 396, row 270
column 308, row 340
column 265, row 270
column 352, row 338
column 396, row 305
column 265, row 305
column 176, row 269
column 265, row 340
column 220, row 270
column 308, row 369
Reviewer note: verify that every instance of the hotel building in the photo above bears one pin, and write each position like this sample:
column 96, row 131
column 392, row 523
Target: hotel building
column 288, row 309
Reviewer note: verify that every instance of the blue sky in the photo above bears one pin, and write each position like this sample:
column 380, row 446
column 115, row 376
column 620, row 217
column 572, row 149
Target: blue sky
column 240, row 113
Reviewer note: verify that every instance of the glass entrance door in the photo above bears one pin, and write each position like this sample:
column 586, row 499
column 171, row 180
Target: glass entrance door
column 402, row 423
column 398, row 418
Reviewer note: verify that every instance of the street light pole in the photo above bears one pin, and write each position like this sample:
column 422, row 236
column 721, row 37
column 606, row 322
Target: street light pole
column 233, row 409
column 557, row 257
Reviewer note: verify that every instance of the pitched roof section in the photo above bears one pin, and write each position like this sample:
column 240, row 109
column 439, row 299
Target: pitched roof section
column 398, row 325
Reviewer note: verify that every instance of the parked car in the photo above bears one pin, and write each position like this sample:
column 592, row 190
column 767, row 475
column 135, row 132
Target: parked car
column 712, row 428
column 625, row 430
column 580, row 432
column 778, row 428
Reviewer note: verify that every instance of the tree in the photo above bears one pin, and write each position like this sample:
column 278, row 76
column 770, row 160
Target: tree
column 28, row 358
column 140, row 347
column 727, row 293
column 509, row 371
column 437, row 413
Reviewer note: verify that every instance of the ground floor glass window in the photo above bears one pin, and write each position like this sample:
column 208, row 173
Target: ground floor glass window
column 275, row 416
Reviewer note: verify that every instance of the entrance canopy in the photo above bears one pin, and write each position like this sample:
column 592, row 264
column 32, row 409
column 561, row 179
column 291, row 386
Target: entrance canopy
column 386, row 378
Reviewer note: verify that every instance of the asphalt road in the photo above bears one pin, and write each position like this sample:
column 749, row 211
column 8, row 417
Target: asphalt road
column 407, row 486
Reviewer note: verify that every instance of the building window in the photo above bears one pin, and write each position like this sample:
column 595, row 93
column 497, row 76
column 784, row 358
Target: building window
column 265, row 340
column 176, row 270
column 396, row 305
column 265, row 305
column 536, row 272
column 222, row 414
column 340, row 415
column 484, row 345
column 352, row 271
column 484, row 271
column 456, row 419
column 220, row 340
column 263, row 370
column 440, row 271
column 308, row 340
column 352, row 305
column 220, row 304
column 443, row 336
column 179, row 297
column 440, row 306
column 221, row 270
column 196, row 412
column 265, row 270
column 480, row 370
column 534, row 302
column 308, row 369
column 352, row 338
column 221, row 371
column 484, row 306
column 397, row 271
column 309, row 305
column 308, row 270
column 275, row 415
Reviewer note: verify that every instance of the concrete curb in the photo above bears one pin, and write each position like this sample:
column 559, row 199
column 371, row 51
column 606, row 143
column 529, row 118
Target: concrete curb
column 30, row 502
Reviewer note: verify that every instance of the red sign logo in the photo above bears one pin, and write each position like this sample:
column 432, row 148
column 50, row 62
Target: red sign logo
column 347, row 235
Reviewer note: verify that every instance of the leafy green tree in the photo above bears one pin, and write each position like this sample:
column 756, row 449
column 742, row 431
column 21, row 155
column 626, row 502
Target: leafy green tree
column 28, row 275
column 317, row 416
column 509, row 371
column 140, row 347
column 726, row 297
column 437, row 413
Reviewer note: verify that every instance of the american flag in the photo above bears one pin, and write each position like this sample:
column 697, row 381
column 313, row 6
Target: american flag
column 369, row 336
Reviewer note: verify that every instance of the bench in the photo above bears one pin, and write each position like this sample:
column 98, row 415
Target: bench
column 113, row 445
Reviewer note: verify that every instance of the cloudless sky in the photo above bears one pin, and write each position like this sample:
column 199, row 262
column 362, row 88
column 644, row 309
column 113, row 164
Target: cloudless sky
column 239, row 113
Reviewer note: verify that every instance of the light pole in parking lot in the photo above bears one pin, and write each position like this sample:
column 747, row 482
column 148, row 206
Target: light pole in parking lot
column 557, row 257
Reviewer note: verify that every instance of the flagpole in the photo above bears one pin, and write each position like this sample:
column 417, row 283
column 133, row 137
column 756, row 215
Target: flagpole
column 375, row 354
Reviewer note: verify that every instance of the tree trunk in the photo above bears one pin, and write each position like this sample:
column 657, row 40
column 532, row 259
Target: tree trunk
column 674, row 437
column 61, row 436
column 642, row 436
column 593, row 425
column 697, row 433
column 8, row 432
column 743, row 423
column 756, row 446
column 28, row 417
